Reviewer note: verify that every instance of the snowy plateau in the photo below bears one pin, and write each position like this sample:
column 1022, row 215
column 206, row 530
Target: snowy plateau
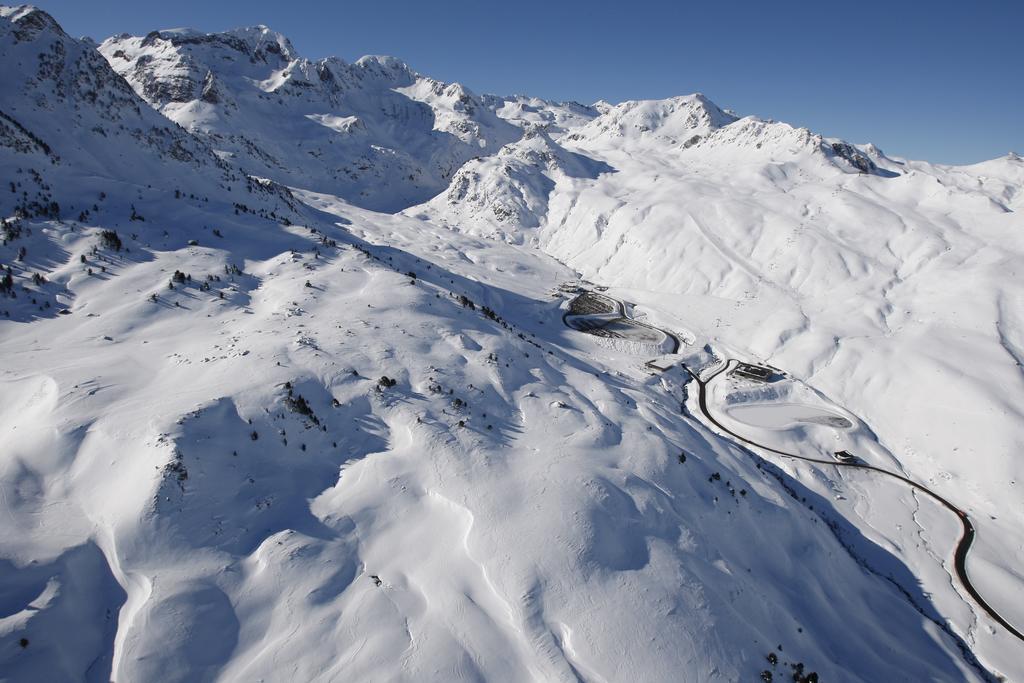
column 330, row 371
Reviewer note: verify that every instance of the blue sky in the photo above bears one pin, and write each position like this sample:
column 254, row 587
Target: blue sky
column 935, row 80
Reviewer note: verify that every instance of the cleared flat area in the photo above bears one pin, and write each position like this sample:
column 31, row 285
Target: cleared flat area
column 618, row 328
column 603, row 316
column 590, row 303
column 786, row 415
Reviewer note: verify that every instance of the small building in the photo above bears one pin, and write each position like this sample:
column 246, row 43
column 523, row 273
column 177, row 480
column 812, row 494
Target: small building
column 661, row 364
column 758, row 373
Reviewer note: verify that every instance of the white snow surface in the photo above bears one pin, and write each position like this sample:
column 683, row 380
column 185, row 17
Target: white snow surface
column 288, row 395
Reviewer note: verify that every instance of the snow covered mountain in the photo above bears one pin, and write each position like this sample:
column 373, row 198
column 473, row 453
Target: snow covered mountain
column 374, row 131
column 329, row 371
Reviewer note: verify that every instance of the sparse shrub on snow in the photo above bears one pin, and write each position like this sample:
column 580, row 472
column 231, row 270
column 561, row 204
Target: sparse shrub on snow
column 111, row 240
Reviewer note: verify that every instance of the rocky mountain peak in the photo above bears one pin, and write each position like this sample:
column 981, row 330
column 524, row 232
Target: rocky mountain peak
column 26, row 22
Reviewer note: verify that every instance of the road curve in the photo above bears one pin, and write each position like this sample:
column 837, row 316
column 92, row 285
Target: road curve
column 966, row 538
column 676, row 343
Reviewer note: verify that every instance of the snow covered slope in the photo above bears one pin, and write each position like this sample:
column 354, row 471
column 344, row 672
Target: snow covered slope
column 251, row 432
column 675, row 122
column 896, row 290
column 509, row 191
column 891, row 285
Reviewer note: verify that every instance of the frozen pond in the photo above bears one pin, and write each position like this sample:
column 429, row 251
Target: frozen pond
column 785, row 415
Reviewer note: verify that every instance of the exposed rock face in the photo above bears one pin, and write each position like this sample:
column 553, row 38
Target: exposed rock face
column 209, row 93
column 237, row 90
column 854, row 156
column 55, row 84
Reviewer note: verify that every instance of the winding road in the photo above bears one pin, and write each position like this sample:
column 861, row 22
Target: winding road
column 621, row 311
column 963, row 546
